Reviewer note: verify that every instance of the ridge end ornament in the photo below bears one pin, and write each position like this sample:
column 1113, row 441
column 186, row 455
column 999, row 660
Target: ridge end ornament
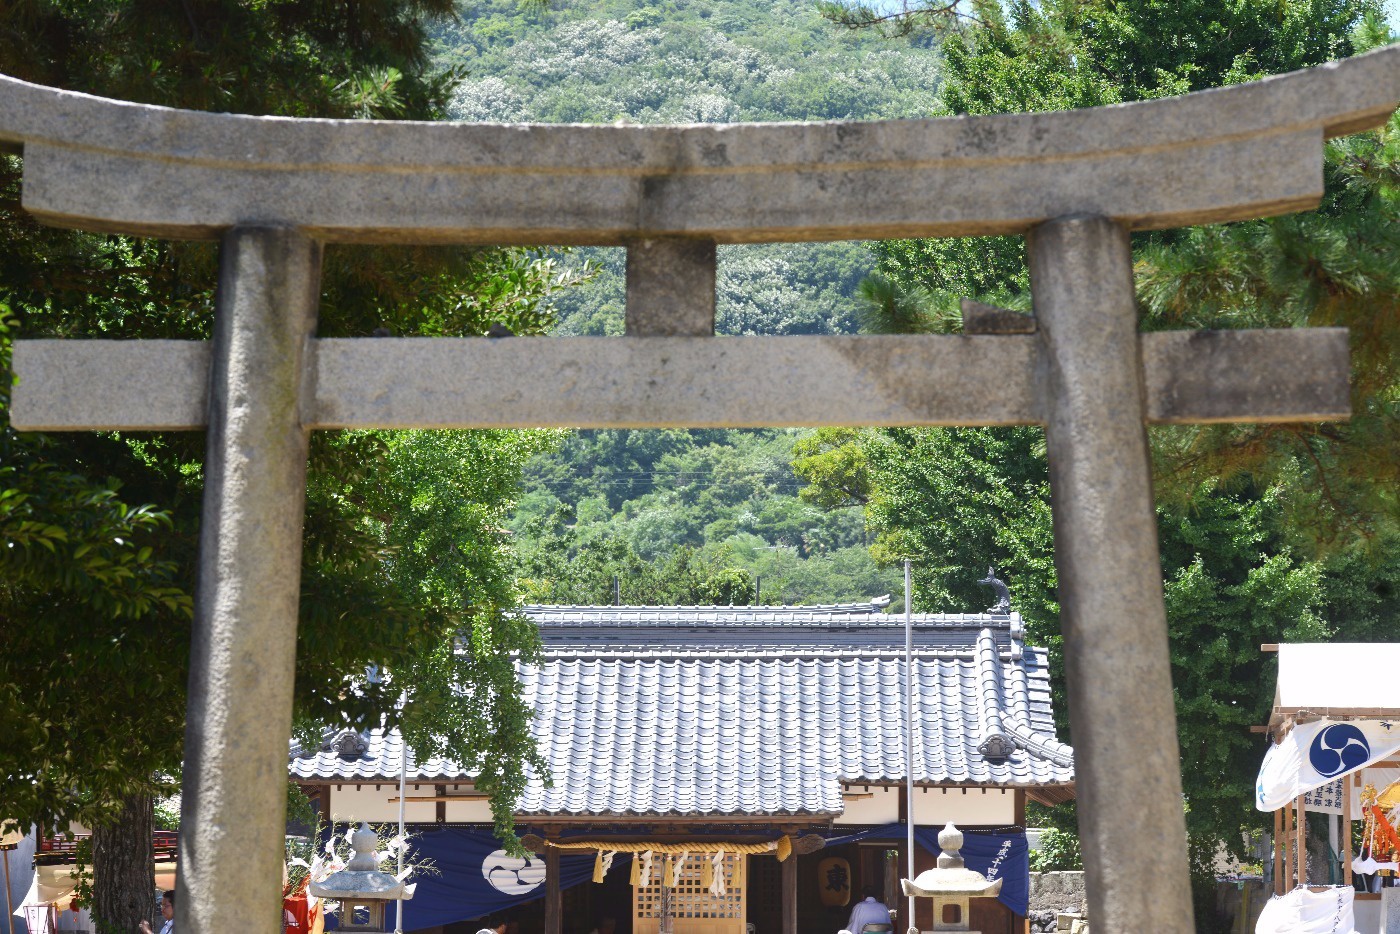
column 1003, row 605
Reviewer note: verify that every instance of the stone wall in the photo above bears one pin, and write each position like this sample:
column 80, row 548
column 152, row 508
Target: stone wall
column 1058, row 892
column 1240, row 903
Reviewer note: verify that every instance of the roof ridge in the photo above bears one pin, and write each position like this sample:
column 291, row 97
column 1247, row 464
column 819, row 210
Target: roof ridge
column 864, row 606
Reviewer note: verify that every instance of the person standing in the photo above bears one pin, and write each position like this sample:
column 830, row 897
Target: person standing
column 167, row 912
column 870, row 911
column 496, row 925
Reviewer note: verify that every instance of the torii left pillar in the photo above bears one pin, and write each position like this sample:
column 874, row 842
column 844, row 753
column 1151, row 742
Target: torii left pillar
column 243, row 651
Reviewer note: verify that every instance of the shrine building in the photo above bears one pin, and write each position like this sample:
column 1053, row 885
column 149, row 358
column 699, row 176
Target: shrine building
column 763, row 747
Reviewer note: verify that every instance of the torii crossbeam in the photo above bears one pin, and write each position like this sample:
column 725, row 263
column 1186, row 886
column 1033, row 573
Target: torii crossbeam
column 1075, row 183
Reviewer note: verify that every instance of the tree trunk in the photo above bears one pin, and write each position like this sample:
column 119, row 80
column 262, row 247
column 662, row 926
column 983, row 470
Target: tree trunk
column 124, row 869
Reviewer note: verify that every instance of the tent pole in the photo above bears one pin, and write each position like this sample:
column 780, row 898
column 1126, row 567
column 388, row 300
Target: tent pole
column 403, row 773
column 1302, row 859
column 909, row 732
column 1334, row 845
column 1280, row 867
column 1291, row 854
column 9, row 909
column 1346, row 830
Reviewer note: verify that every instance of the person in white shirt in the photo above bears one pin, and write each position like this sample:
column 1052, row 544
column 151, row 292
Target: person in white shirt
column 870, row 911
column 494, row 926
column 167, row 911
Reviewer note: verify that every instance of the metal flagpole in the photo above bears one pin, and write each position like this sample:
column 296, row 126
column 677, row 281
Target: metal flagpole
column 909, row 731
column 9, row 909
column 403, row 771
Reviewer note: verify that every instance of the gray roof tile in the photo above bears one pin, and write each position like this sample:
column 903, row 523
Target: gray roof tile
column 757, row 710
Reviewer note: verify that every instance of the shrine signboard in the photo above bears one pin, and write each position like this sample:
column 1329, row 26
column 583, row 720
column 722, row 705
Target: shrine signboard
column 273, row 190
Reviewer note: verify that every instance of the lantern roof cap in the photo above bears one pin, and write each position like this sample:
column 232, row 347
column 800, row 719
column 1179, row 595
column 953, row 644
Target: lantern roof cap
column 951, row 877
column 361, row 878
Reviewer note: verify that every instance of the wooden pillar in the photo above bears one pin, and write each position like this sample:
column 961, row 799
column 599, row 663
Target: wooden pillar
column 1300, row 859
column 1291, row 853
column 1280, row 866
column 790, row 894
column 1346, row 829
column 553, row 907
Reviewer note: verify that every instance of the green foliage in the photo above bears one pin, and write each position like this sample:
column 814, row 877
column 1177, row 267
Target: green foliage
column 1268, row 533
column 166, row 813
column 404, row 555
column 1058, row 851
column 679, row 62
column 302, row 59
column 685, row 517
column 1068, row 54
column 1339, row 266
column 692, row 61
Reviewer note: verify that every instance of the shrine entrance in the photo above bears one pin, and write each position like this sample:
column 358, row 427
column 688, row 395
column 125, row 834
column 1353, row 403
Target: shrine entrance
column 695, row 905
column 1075, row 184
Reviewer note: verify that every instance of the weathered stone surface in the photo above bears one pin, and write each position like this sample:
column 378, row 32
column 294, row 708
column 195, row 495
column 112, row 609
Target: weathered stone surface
column 1118, row 670
column 674, row 382
column 1058, row 892
column 670, row 288
column 243, row 641
column 1390, row 911
column 981, row 318
column 1265, row 375
column 588, row 382
column 1227, row 154
column 91, row 384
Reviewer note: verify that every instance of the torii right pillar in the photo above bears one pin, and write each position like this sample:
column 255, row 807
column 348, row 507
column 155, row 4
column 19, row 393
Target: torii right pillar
column 1112, row 614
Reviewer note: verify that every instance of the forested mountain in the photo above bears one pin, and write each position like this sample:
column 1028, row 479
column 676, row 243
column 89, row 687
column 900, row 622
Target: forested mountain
column 704, row 515
column 677, row 61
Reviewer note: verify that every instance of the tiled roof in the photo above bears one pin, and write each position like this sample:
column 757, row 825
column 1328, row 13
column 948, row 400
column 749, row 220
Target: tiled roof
column 765, row 710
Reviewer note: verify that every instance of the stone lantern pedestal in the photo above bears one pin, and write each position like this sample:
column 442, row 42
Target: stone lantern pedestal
column 951, row 885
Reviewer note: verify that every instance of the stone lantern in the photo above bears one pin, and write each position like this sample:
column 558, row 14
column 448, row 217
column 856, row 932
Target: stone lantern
column 360, row 886
column 951, row 885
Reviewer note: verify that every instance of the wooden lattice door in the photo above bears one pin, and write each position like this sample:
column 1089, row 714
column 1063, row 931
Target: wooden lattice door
column 693, row 909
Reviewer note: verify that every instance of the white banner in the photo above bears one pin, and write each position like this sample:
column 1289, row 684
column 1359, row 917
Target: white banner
column 1313, row 754
column 1304, row 912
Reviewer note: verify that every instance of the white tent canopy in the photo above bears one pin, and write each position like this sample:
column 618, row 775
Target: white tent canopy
column 1338, row 679
column 1343, row 698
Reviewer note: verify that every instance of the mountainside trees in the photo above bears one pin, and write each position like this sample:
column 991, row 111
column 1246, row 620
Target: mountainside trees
column 405, row 557
column 684, row 517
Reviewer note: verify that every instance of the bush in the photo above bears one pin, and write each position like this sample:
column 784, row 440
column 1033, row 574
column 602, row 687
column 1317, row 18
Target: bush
column 1058, row 852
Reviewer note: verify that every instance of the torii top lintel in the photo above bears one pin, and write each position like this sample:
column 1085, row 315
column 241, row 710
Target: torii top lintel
column 1227, row 154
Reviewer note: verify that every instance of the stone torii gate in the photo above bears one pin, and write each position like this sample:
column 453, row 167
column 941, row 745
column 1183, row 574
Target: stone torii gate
column 273, row 190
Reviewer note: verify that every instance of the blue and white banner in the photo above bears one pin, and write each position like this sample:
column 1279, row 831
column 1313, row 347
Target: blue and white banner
column 474, row 877
column 1314, row 754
